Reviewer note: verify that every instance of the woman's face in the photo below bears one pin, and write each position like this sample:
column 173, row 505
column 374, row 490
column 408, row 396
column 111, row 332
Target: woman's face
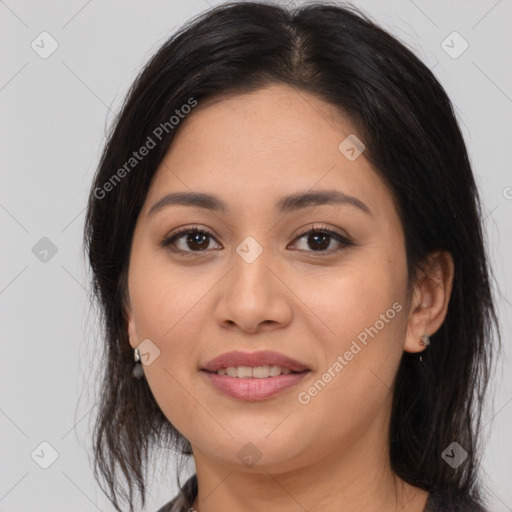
column 257, row 281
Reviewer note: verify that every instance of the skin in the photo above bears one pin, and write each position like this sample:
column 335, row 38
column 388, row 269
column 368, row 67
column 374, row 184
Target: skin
column 329, row 454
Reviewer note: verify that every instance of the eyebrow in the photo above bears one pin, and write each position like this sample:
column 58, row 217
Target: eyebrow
column 286, row 204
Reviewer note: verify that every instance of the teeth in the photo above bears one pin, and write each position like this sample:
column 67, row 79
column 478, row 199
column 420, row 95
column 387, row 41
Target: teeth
column 244, row 372
column 275, row 370
column 232, row 372
column 258, row 372
column 261, row 372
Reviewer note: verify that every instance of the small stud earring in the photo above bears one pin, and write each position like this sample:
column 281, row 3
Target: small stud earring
column 138, row 371
column 425, row 340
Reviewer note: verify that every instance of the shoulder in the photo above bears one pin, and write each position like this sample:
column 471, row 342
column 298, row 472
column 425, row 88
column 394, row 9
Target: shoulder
column 441, row 500
column 182, row 502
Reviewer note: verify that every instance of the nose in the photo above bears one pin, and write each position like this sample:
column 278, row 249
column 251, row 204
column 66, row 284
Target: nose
column 253, row 297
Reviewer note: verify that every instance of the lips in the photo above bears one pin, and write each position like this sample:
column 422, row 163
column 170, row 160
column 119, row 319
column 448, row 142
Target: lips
column 259, row 375
column 253, row 359
column 252, row 389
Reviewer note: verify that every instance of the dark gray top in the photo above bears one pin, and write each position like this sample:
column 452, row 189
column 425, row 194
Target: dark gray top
column 437, row 501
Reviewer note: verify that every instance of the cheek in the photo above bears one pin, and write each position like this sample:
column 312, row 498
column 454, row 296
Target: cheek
column 163, row 296
column 357, row 298
column 366, row 318
column 169, row 309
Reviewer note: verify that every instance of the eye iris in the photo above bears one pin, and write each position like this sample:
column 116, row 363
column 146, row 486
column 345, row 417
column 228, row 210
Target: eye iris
column 197, row 238
column 319, row 237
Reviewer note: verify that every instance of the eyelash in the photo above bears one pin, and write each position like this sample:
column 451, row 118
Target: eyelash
column 170, row 239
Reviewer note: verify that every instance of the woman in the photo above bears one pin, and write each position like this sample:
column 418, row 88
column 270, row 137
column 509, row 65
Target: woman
column 285, row 237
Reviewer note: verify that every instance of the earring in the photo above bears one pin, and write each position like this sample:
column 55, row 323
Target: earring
column 424, row 342
column 138, row 371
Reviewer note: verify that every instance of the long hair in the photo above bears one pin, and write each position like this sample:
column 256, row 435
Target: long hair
column 413, row 142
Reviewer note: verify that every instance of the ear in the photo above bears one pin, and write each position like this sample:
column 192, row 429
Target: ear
column 132, row 330
column 430, row 298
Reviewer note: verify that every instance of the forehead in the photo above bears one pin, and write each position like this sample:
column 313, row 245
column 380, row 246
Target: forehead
column 277, row 109
column 266, row 143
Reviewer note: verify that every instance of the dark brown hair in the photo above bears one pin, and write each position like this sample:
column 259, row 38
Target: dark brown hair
column 413, row 141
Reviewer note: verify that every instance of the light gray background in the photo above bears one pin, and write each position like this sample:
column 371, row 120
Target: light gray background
column 54, row 112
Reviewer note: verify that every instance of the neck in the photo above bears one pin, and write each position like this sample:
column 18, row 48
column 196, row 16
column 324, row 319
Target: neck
column 352, row 480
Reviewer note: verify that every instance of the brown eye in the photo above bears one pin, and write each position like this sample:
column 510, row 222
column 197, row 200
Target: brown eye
column 189, row 241
column 319, row 241
column 197, row 240
column 323, row 240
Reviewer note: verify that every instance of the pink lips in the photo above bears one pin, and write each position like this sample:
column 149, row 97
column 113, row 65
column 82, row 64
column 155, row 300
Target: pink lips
column 253, row 388
column 261, row 358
